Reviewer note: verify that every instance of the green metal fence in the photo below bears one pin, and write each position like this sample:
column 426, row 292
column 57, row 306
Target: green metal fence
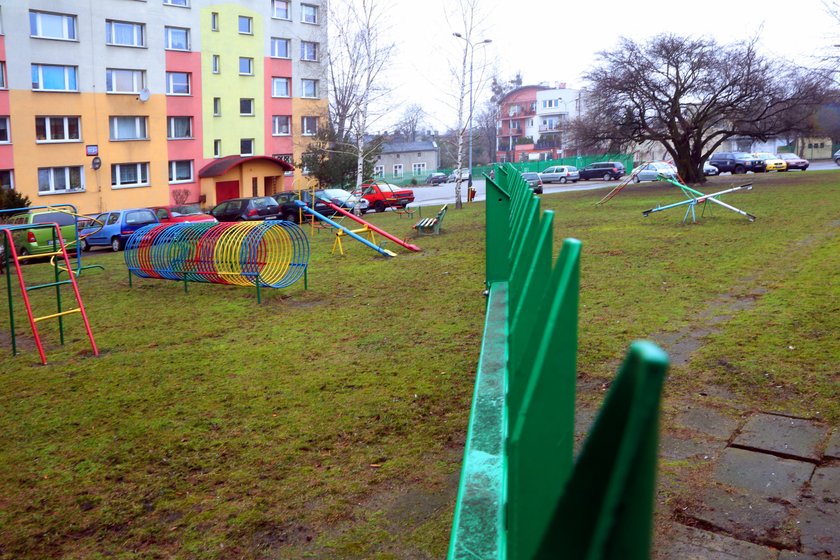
column 521, row 494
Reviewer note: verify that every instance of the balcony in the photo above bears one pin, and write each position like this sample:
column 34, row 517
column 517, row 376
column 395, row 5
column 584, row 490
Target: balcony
column 556, row 127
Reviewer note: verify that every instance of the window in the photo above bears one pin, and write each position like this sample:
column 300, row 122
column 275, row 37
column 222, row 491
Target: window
column 246, row 66
column 308, row 13
column 128, row 128
column 5, row 134
column 309, row 88
column 7, row 179
column 124, row 33
column 398, row 170
column 46, row 77
column 125, row 175
column 308, row 50
column 60, row 179
column 281, row 10
column 181, row 3
column 217, row 148
column 217, row 106
column 177, row 83
column 179, row 128
column 379, row 171
column 246, row 147
column 246, row 25
column 181, row 171
column 214, row 21
column 177, row 38
column 246, row 107
column 309, row 126
column 418, row 169
column 124, row 81
column 217, row 62
column 2, row 75
column 280, row 47
column 52, row 26
column 288, row 159
column 280, row 87
column 281, row 125
column 57, row 129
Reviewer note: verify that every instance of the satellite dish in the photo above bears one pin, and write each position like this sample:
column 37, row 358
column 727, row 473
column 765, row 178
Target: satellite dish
column 144, row 95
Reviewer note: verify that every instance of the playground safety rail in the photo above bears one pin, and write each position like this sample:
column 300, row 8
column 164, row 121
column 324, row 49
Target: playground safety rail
column 521, row 493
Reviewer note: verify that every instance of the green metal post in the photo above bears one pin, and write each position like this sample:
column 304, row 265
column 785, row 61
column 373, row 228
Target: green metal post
column 7, row 250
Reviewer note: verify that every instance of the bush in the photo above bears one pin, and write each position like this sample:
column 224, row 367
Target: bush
column 10, row 198
column 414, row 181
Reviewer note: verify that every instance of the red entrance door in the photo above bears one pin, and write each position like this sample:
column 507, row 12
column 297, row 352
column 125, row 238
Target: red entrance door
column 225, row 190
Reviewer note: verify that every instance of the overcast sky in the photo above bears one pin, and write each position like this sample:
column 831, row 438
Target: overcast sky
column 557, row 40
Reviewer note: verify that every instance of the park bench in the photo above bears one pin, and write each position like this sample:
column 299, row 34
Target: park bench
column 431, row 226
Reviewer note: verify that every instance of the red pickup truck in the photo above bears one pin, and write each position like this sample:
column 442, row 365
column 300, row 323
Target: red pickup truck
column 382, row 195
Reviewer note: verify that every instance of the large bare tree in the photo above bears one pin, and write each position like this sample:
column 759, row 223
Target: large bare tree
column 690, row 95
column 411, row 122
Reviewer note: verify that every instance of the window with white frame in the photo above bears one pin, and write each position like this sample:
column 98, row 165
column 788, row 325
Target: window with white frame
column 123, row 80
column 308, row 126
column 2, row 75
column 281, row 125
column 246, row 107
column 280, row 47
column 129, row 175
column 5, row 131
column 280, row 87
column 125, row 33
column 217, row 64
column 217, row 148
column 58, row 129
column 60, row 179
column 418, row 169
column 288, row 158
column 308, row 13
column 281, row 10
column 47, row 25
column 177, row 38
column 309, row 88
column 217, row 106
column 379, row 171
column 177, row 83
column 246, row 147
column 309, row 51
column 128, row 128
column 181, row 171
column 49, row 77
column 246, row 25
column 398, row 170
column 214, row 21
column 179, row 128
column 7, row 179
column 246, row 66
column 179, row 3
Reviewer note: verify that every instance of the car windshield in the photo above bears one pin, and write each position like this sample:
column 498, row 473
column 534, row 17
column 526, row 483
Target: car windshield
column 264, row 202
column 787, row 156
column 742, row 155
column 765, row 155
column 340, row 194
column 185, row 210
column 529, row 175
column 140, row 217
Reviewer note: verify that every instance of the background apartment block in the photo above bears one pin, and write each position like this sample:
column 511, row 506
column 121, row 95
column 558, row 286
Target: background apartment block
column 180, row 100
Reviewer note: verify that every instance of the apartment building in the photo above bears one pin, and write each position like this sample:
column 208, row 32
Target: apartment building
column 118, row 103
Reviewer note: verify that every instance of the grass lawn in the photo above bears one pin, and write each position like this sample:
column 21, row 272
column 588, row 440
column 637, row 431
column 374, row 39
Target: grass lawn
column 329, row 422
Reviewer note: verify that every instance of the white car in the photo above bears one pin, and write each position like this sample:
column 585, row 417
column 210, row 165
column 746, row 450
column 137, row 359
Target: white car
column 560, row 173
column 709, row 169
column 653, row 171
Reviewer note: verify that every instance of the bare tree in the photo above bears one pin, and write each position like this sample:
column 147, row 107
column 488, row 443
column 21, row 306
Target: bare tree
column 690, row 95
column 412, row 119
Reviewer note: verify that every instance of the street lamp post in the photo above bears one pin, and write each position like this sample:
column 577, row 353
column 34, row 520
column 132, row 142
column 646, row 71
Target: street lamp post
column 470, row 154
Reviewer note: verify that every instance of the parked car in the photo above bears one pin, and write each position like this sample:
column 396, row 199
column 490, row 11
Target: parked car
column 534, row 182
column 436, row 179
column 246, row 209
column 178, row 213
column 793, row 161
column 771, row 161
column 381, row 195
column 605, row 170
column 40, row 240
column 836, row 157
column 290, row 211
column 709, row 169
column 116, row 227
column 344, row 199
column 465, row 175
column 560, row 174
column 653, row 171
column 736, row 162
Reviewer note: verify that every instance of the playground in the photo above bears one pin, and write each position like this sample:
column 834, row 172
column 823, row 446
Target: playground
column 328, row 421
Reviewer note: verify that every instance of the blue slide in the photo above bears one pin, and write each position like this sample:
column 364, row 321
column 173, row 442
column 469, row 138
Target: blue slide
column 336, row 225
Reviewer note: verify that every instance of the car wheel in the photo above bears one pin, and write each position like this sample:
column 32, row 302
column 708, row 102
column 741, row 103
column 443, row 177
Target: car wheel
column 116, row 244
column 85, row 245
column 379, row 206
column 636, row 178
column 837, row 161
column 739, row 170
column 607, row 176
column 562, row 180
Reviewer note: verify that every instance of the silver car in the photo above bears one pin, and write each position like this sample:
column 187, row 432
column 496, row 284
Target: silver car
column 653, row 171
column 560, row 174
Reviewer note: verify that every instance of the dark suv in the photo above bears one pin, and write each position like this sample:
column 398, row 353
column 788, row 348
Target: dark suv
column 605, row 170
column 242, row 209
column 737, row 162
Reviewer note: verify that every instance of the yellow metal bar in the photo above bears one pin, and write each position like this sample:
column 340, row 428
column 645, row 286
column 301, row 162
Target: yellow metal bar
column 54, row 315
column 39, row 255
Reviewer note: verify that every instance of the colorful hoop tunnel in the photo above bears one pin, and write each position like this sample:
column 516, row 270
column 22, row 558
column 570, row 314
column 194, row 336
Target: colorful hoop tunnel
column 273, row 253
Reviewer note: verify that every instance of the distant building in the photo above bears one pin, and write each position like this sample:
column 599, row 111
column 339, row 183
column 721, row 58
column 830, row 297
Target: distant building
column 403, row 160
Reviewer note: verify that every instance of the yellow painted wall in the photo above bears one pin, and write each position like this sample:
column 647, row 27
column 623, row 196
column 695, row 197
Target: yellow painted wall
column 244, row 174
column 310, row 108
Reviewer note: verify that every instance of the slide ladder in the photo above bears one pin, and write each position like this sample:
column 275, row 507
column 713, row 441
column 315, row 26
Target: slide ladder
column 11, row 256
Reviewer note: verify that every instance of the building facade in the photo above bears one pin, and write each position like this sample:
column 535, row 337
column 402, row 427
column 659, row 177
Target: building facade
column 123, row 103
column 406, row 160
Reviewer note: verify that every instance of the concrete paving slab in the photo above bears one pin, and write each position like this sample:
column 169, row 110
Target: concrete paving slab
column 748, row 517
column 709, row 421
column 688, row 543
column 677, row 449
column 825, row 485
column 766, row 475
column 819, row 529
column 789, row 555
column 779, row 434
column 832, row 451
